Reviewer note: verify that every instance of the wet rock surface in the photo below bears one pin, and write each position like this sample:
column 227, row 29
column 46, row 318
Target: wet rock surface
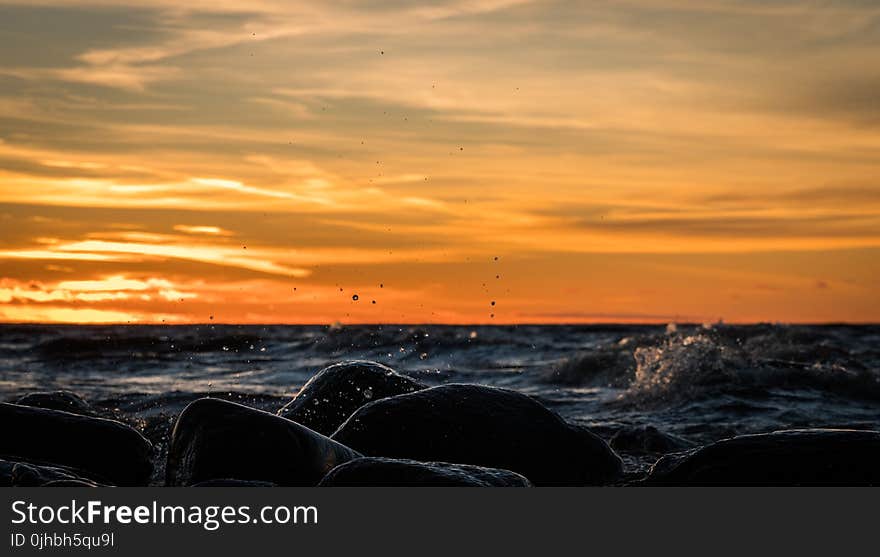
column 228, row 482
column 391, row 472
column 58, row 400
column 22, row 474
column 791, row 457
column 101, row 449
column 70, row 483
column 214, row 439
column 483, row 426
column 335, row 392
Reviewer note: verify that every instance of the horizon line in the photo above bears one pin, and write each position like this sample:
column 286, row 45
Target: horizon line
column 450, row 324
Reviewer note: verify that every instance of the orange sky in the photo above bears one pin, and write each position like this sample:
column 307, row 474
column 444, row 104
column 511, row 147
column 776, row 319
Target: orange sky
column 488, row 161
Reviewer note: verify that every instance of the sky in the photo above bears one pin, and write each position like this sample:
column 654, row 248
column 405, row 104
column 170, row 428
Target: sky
column 482, row 161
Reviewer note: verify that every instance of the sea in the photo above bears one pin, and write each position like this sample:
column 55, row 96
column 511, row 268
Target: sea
column 693, row 383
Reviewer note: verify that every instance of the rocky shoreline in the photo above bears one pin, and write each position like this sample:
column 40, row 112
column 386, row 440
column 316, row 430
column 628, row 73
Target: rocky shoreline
column 362, row 424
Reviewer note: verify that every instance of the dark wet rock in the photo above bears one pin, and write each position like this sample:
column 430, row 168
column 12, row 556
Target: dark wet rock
column 26, row 475
column 373, row 471
column 215, row 439
column 6, row 473
column 23, row 474
column 58, row 400
column 101, row 449
column 335, row 392
column 70, row 483
column 791, row 457
column 484, row 426
column 229, row 482
column 647, row 440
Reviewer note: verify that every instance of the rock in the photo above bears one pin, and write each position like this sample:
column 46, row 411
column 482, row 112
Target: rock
column 70, row 483
column 647, row 440
column 373, row 471
column 100, row 449
column 26, row 475
column 227, row 482
column 58, row 400
column 22, row 474
column 335, row 392
column 792, row 457
column 6, row 473
column 215, row 439
column 484, row 426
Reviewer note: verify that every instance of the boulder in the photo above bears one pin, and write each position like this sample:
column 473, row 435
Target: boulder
column 335, row 392
column 22, row 474
column 484, row 426
column 58, row 400
column 647, row 440
column 70, row 483
column 214, row 439
column 227, row 482
column 98, row 448
column 791, row 457
column 27, row 475
column 372, row 471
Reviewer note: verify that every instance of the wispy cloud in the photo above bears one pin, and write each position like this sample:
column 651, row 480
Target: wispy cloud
column 202, row 229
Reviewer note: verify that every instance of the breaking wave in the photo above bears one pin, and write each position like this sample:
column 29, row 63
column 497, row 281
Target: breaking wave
column 699, row 361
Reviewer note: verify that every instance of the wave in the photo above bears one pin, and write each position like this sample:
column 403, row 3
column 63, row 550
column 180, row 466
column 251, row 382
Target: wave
column 702, row 361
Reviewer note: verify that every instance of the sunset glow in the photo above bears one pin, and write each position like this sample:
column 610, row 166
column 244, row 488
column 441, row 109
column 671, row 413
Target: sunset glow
column 489, row 161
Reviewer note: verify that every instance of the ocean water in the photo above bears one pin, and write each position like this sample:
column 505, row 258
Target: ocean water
column 696, row 383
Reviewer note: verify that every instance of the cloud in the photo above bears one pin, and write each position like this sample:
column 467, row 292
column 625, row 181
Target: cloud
column 27, row 314
column 239, row 187
column 108, row 289
column 255, row 260
column 202, row 229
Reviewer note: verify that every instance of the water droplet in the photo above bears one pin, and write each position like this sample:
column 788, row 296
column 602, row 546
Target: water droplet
column 368, row 393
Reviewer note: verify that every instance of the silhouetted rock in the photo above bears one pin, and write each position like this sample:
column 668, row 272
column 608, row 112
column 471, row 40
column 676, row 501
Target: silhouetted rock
column 100, row 449
column 70, row 483
column 647, row 440
column 24, row 474
column 793, row 457
column 484, row 426
column 372, row 471
column 228, row 482
column 27, row 475
column 214, row 439
column 335, row 392
column 58, row 400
